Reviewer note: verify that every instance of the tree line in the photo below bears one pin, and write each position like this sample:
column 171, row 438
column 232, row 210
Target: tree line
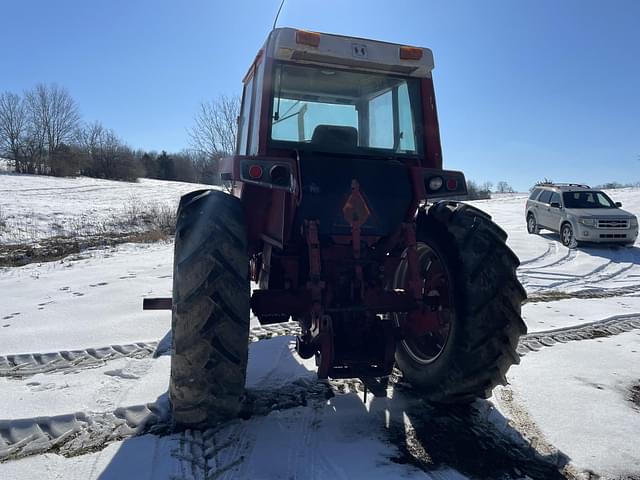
column 42, row 132
column 483, row 191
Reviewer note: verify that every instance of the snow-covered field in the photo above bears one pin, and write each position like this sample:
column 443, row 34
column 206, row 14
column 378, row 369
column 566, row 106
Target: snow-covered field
column 568, row 406
column 34, row 207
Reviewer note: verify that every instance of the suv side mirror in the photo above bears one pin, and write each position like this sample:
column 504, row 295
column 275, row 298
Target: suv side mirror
column 554, row 205
column 618, row 204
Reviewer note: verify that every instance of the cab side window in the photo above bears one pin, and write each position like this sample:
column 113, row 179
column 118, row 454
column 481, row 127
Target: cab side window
column 245, row 116
column 535, row 193
column 555, row 198
column 545, row 197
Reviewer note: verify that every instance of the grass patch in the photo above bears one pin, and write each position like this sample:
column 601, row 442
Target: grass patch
column 137, row 222
column 56, row 248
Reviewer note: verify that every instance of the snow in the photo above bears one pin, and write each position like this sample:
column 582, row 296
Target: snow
column 575, row 395
column 88, row 300
column 544, row 316
column 103, row 389
column 37, row 206
column 591, row 419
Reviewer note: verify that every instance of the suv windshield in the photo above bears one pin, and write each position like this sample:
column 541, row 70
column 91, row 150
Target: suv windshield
column 587, row 199
column 346, row 111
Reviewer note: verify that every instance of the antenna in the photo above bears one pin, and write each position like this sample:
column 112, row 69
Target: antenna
column 277, row 15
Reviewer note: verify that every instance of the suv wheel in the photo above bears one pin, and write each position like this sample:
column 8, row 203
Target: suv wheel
column 532, row 225
column 567, row 237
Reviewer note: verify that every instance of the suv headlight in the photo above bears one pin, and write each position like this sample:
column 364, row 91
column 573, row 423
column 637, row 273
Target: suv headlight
column 634, row 221
column 587, row 221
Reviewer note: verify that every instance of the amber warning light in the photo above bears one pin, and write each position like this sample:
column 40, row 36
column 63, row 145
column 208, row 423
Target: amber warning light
column 410, row 53
column 307, row 38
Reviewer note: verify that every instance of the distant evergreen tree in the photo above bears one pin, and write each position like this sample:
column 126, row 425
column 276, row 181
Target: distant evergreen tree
column 165, row 166
column 149, row 163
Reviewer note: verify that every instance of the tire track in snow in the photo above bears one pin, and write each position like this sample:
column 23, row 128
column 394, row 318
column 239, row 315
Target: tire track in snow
column 551, row 249
column 608, row 327
column 569, row 256
column 24, row 365
column 81, row 432
column 621, row 261
column 80, row 189
column 27, row 364
column 202, row 455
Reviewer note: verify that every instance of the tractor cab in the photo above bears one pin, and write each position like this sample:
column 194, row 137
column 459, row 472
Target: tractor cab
column 319, row 111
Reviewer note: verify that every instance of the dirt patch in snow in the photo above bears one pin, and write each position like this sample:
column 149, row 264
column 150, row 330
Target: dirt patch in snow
column 56, row 248
column 298, row 393
column 634, row 395
column 555, row 295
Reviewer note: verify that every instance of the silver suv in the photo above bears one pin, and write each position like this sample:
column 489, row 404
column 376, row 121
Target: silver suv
column 579, row 214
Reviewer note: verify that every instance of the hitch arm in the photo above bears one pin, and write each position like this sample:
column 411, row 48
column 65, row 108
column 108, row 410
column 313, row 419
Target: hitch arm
column 157, row 303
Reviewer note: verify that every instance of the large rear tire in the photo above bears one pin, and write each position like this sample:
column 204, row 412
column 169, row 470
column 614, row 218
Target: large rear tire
column 210, row 318
column 480, row 324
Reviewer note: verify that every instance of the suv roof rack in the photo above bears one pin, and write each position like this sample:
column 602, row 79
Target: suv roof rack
column 551, row 184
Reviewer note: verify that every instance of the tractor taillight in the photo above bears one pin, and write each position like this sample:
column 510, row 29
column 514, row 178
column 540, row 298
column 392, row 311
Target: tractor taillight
column 267, row 172
column 410, row 53
column 435, row 183
column 307, row 38
column 255, row 172
column 452, row 184
column 279, row 175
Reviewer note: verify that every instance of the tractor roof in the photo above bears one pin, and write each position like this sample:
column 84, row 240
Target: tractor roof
column 302, row 46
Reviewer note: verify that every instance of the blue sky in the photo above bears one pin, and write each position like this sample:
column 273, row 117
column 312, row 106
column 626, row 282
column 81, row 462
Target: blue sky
column 525, row 90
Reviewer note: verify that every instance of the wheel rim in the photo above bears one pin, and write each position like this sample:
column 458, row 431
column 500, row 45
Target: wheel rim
column 436, row 280
column 567, row 234
column 531, row 224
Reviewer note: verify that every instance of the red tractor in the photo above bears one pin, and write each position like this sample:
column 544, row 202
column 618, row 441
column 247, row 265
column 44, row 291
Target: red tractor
column 332, row 214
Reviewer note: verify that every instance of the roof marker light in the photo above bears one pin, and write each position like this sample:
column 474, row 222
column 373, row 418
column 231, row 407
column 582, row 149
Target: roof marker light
column 410, row 53
column 307, row 38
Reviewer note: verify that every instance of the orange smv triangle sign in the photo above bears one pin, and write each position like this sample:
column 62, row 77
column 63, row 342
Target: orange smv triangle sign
column 355, row 209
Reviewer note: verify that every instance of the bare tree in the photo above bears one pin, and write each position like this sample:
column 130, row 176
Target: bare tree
column 54, row 118
column 205, row 167
column 476, row 192
column 215, row 130
column 13, row 126
column 487, row 187
column 88, row 136
column 105, row 155
column 503, row 187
